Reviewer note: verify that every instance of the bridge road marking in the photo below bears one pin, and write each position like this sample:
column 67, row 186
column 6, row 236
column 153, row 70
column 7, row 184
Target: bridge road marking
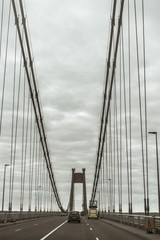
column 53, row 231
column 18, row 230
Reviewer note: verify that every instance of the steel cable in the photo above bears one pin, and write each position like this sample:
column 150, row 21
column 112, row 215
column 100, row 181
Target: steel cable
column 35, row 101
column 130, row 107
column 5, row 69
column 117, row 144
column 107, row 154
column 23, row 138
column 140, row 106
column 1, row 29
column 13, row 116
column 105, row 95
column 125, row 116
column 145, row 104
column 30, row 159
column 120, row 128
column 36, row 167
column 16, row 132
column 108, row 105
column 25, row 149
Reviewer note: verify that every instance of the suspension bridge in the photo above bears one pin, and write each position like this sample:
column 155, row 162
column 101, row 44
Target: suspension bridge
column 120, row 171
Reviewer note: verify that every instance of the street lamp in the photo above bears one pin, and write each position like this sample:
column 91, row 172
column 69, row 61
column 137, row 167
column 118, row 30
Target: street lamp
column 4, row 180
column 99, row 199
column 155, row 133
column 39, row 198
column 110, row 197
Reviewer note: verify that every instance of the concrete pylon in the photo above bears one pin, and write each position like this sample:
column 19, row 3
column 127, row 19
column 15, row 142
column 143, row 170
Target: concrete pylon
column 78, row 178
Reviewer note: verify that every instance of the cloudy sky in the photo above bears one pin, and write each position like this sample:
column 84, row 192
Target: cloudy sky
column 70, row 40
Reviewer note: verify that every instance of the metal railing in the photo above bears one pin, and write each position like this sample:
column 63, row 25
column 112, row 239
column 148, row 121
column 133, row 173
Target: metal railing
column 148, row 223
column 22, row 216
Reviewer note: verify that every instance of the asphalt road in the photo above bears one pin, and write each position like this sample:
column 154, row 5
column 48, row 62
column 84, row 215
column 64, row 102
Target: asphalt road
column 57, row 228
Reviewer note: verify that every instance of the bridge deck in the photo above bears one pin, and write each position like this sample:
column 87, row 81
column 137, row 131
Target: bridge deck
column 47, row 228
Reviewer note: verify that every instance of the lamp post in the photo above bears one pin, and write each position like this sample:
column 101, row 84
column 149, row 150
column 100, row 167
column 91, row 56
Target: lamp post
column 110, row 197
column 51, row 209
column 39, row 198
column 158, row 185
column 99, row 196
column 4, row 180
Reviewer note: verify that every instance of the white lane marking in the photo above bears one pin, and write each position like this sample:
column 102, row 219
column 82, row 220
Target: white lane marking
column 53, row 231
column 97, row 238
column 18, row 230
column 91, row 229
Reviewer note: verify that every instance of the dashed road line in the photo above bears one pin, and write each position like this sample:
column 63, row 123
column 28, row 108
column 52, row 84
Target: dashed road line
column 97, row 238
column 91, row 229
column 18, row 230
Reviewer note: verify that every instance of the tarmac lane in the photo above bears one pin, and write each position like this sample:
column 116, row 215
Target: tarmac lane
column 58, row 228
column 72, row 231
column 89, row 230
column 31, row 230
column 105, row 231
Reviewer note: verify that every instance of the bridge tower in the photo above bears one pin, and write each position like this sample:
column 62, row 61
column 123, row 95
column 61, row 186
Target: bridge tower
column 78, row 178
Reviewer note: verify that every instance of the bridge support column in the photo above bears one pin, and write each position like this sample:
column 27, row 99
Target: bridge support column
column 84, row 192
column 78, row 178
column 71, row 202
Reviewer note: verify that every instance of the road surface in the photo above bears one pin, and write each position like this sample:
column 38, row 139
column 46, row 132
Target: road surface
column 57, row 228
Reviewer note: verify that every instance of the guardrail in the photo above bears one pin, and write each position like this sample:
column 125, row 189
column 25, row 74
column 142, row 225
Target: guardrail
column 147, row 223
column 20, row 216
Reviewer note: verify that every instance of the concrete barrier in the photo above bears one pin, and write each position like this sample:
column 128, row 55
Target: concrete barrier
column 139, row 221
column 22, row 216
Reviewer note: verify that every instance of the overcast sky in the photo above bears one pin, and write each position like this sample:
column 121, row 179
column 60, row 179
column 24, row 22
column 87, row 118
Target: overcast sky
column 70, row 40
column 70, row 44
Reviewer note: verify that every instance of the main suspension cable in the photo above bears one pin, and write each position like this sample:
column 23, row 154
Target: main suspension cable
column 102, row 140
